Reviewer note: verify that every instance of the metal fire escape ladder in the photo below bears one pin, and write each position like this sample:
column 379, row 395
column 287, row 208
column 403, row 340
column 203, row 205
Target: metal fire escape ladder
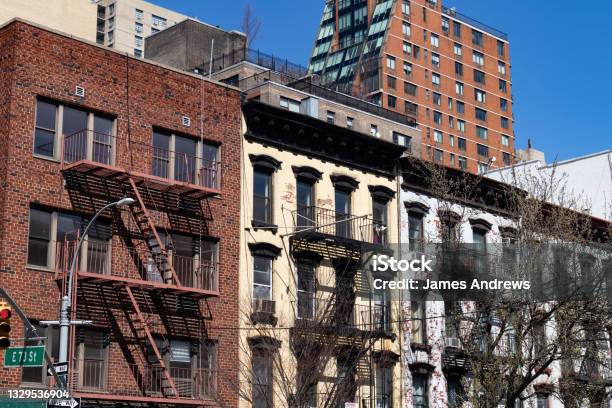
column 146, row 339
column 151, row 237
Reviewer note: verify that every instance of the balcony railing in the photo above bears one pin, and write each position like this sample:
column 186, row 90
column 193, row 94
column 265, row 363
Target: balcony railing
column 475, row 23
column 92, row 146
column 101, row 258
column 382, row 401
column 340, row 225
column 318, row 312
column 92, row 376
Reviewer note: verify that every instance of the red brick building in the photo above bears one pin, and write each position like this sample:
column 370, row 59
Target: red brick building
column 82, row 126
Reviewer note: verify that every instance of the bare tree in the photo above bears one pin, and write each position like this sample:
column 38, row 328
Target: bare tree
column 251, row 25
column 512, row 342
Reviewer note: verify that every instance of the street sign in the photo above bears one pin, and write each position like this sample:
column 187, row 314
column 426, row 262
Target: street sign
column 60, row 368
column 64, row 402
column 26, row 356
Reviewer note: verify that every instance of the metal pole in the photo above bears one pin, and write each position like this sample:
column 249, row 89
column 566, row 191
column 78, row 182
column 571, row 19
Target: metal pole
column 64, row 321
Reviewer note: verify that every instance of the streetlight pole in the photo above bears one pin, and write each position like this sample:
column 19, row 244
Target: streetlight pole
column 64, row 321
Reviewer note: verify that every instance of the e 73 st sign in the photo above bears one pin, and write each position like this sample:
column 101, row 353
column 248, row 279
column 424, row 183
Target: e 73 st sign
column 28, row 356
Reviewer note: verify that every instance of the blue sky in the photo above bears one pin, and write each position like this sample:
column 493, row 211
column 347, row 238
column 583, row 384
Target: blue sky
column 560, row 51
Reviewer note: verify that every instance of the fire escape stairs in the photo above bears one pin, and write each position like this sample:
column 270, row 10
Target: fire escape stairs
column 159, row 253
column 146, row 340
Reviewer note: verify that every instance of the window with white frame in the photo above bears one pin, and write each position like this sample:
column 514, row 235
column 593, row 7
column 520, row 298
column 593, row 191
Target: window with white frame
column 435, row 78
column 262, row 277
column 139, row 14
column 390, row 62
column 461, row 125
column 457, row 49
column 505, row 140
column 478, row 58
column 480, row 96
column 158, row 21
column 138, row 27
column 501, row 68
column 438, row 136
column 435, row 40
column 406, row 7
column 290, row 104
column 406, row 29
column 138, row 41
column 459, row 88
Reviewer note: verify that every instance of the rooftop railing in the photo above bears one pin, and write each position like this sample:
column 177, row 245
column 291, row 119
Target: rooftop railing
column 262, row 59
column 449, row 11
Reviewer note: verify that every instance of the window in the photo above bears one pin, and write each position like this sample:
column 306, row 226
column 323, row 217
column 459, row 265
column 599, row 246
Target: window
column 505, row 140
column 262, row 379
column 410, row 107
column 343, row 212
column 262, row 195
column 184, row 163
column 457, row 29
column 407, row 48
column 500, row 48
column 477, row 58
column 138, row 41
column 450, row 104
column 456, row 395
column 437, row 98
column 452, row 160
column 434, row 39
column 391, row 101
column 506, row 158
column 111, row 23
column 504, row 123
column 138, row 27
column 290, row 104
column 480, row 96
column 262, row 277
column 477, row 38
column 419, row 391
column 445, row 25
column 418, row 333
column 410, row 89
column 542, row 401
column 384, row 386
column 406, row 8
column 458, row 49
column 379, row 216
column 502, row 86
column 38, row 375
column 406, row 29
column 111, row 36
column 481, row 132
column 435, row 60
column 501, row 68
column 415, row 231
column 349, row 122
column 391, row 82
column 154, row 30
column 92, row 359
column 158, row 21
column 451, row 140
column 111, row 9
column 401, row 139
column 49, row 229
column 435, row 78
column 438, row 156
column 462, row 162
column 458, row 68
column 462, row 144
column 503, row 104
column 479, row 76
column 331, row 117
column 306, row 288
column 460, row 107
column 374, row 130
column 438, row 136
column 481, row 114
column 390, row 62
column 437, row 117
column 407, row 68
column 459, row 88
column 482, row 150
column 45, row 133
column 461, row 125
column 139, row 14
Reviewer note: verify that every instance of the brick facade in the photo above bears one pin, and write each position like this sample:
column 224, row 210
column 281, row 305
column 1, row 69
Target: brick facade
column 139, row 96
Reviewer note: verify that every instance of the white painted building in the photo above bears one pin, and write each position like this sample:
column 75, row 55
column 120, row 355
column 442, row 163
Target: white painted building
column 587, row 179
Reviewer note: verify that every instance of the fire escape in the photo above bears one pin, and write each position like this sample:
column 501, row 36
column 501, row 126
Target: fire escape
column 134, row 283
column 346, row 318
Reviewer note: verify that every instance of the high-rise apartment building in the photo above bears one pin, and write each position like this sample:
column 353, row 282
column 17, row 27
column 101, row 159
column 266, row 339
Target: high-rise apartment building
column 426, row 60
column 124, row 24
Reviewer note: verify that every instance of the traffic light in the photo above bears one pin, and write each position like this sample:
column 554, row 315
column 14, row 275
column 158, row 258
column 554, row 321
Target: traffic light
column 5, row 324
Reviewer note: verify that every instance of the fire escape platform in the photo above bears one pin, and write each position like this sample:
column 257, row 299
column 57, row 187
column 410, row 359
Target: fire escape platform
column 158, row 401
column 164, row 185
column 112, row 280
